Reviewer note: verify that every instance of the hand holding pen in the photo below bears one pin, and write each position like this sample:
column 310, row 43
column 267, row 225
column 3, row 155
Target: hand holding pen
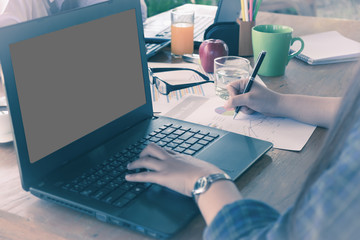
column 252, row 78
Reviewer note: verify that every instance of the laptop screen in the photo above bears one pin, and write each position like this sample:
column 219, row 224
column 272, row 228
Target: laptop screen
column 76, row 80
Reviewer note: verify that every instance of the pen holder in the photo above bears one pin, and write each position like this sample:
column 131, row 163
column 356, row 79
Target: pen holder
column 245, row 41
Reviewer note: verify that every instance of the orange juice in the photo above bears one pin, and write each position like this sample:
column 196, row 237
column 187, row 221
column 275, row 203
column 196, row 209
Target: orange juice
column 182, row 38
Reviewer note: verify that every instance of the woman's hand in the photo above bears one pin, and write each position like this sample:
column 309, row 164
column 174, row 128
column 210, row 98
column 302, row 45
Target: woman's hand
column 172, row 170
column 259, row 98
column 320, row 111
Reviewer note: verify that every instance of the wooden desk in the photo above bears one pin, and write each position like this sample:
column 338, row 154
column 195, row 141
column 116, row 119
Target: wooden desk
column 275, row 179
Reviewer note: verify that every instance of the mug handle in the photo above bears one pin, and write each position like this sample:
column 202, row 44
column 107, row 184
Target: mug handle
column 294, row 54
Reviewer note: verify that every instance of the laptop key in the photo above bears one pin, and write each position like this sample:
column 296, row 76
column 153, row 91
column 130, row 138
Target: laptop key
column 178, row 141
column 89, row 191
column 99, row 194
column 187, row 129
column 66, row 186
column 179, row 149
column 108, row 167
column 114, row 195
column 176, row 126
column 127, row 185
column 76, row 188
column 172, row 136
column 160, row 135
column 179, row 132
column 171, row 145
column 168, row 131
column 121, row 202
column 207, row 138
column 116, row 172
column 112, row 185
column 161, row 143
column 138, row 189
column 154, row 139
column 196, row 147
column 185, row 145
column 213, row 135
column 168, row 148
column 129, row 195
column 119, row 180
column 100, row 173
column 199, row 135
column 191, row 140
column 167, row 139
column 189, row 152
column 203, row 142
column 186, row 136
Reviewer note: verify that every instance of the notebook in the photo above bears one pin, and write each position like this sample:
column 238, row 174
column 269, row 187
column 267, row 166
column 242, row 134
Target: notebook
column 79, row 98
column 327, row 47
column 158, row 26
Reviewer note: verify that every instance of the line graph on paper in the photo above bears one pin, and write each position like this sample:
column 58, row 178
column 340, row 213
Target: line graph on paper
column 259, row 126
column 255, row 125
column 284, row 133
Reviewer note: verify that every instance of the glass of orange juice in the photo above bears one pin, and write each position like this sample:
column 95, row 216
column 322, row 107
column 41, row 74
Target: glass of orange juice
column 182, row 32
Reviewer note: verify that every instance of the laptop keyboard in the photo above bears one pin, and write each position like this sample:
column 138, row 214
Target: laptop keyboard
column 201, row 23
column 106, row 182
column 152, row 47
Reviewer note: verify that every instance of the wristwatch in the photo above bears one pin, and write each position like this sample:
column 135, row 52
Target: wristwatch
column 204, row 183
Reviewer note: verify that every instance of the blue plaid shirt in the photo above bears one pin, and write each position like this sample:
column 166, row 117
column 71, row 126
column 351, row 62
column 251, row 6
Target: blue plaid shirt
column 331, row 209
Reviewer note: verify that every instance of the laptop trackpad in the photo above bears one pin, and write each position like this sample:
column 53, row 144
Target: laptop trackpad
column 234, row 153
column 162, row 210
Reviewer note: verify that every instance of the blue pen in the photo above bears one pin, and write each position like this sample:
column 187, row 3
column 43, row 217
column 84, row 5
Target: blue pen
column 252, row 77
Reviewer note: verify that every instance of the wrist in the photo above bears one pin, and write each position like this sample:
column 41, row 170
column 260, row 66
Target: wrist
column 220, row 194
column 204, row 183
column 200, row 172
column 280, row 105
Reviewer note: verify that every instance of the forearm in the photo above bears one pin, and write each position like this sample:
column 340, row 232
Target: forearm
column 216, row 197
column 320, row 111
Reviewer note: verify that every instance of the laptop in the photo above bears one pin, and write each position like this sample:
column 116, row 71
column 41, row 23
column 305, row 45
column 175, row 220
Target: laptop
column 157, row 28
column 79, row 97
column 153, row 47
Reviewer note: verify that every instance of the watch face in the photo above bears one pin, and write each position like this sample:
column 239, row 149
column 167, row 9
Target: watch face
column 200, row 185
column 202, row 182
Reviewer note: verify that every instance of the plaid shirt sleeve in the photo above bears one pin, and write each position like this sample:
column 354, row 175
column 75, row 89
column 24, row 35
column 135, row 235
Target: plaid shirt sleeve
column 241, row 219
column 330, row 210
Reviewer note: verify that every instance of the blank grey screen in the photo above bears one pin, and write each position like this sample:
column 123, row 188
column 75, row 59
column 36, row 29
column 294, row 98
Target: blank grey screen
column 76, row 80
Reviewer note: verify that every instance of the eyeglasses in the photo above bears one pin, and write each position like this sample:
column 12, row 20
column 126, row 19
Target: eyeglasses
column 165, row 88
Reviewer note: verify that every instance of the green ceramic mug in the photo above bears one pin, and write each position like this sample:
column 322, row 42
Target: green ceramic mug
column 276, row 41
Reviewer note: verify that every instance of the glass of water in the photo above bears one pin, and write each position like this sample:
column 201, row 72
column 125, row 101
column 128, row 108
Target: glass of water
column 228, row 69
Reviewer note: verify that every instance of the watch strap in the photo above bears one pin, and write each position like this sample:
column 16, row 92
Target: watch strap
column 204, row 183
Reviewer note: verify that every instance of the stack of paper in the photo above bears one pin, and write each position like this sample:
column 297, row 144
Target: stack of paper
column 327, row 47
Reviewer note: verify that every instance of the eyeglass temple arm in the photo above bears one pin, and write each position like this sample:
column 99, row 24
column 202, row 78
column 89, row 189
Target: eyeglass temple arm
column 156, row 70
column 185, row 85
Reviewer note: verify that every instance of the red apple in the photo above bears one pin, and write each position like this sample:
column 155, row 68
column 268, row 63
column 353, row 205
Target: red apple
column 209, row 50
